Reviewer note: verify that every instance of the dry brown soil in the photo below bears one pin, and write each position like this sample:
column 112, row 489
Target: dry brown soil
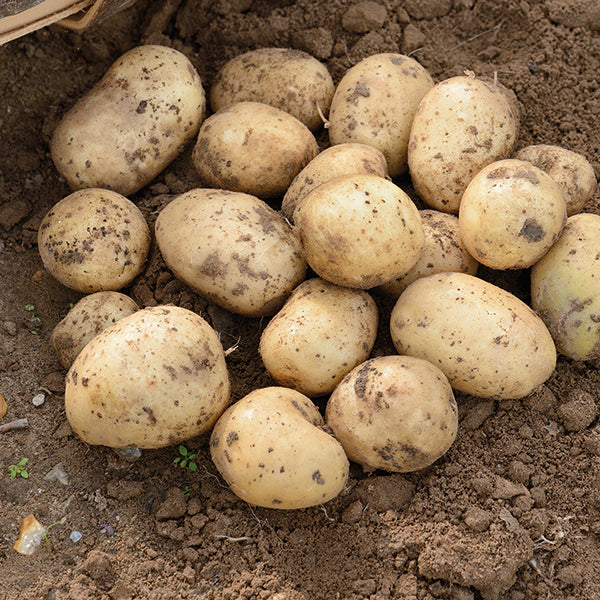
column 512, row 511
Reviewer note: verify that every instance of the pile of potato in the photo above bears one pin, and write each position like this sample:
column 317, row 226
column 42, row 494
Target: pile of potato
column 305, row 237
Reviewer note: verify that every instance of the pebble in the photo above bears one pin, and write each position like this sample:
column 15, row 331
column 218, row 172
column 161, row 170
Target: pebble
column 75, row 536
column 39, row 399
column 57, row 473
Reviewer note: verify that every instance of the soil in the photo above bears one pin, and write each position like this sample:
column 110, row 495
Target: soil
column 511, row 511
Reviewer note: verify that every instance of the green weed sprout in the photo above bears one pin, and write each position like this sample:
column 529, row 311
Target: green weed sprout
column 19, row 469
column 186, row 459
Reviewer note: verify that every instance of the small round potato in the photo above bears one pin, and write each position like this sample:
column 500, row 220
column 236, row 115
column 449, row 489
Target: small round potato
column 253, row 148
column 571, row 171
column 132, row 123
column 511, row 214
column 375, row 103
column 94, row 240
column 342, row 159
column 287, row 79
column 271, row 449
column 485, row 340
column 565, row 288
column 86, row 319
column 153, row 379
column 396, row 413
column 462, row 125
column 232, row 248
column 359, row 231
column 321, row 333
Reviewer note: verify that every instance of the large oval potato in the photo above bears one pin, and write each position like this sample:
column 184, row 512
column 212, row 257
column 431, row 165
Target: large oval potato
column 565, row 288
column 232, row 248
column 132, row 123
column 375, row 103
column 395, row 413
column 271, row 449
column 484, row 339
column 462, row 125
column 153, row 379
column 322, row 332
column 94, row 240
column 253, row 148
column 290, row 80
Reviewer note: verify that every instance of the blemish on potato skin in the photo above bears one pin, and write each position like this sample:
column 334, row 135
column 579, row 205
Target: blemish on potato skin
column 532, row 230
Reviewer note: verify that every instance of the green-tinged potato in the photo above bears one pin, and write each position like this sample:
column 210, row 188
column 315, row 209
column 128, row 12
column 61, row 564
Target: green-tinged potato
column 290, row 80
column 232, row 248
column 342, row 159
column 395, row 413
column 270, row 447
column 359, row 231
column 462, row 125
column 375, row 103
column 571, row 171
column 443, row 251
column 485, row 340
column 510, row 214
column 153, row 379
column 253, row 148
column 565, row 288
column 322, row 332
column 94, row 240
column 86, row 319
column 132, row 123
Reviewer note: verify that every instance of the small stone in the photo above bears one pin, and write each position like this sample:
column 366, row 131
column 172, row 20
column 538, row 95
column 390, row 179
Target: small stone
column 38, row 399
column 173, row 506
column 57, row 473
column 579, row 412
column 477, row 519
column 363, row 17
column 75, row 536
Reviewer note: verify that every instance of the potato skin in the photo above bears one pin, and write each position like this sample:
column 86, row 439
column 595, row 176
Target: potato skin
column 565, row 288
column 132, row 123
column 94, row 240
column 272, row 451
column 232, row 248
column 290, row 80
column 485, row 340
column 321, row 333
column 396, row 413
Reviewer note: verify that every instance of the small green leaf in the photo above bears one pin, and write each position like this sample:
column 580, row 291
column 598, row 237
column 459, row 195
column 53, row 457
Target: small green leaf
column 193, row 466
column 24, row 474
column 23, row 462
column 29, row 307
column 183, row 450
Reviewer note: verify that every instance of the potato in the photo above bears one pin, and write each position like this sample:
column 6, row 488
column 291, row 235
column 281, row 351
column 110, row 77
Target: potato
column 253, row 148
column 565, row 288
column 343, row 159
column 395, row 413
column 484, row 339
column 232, row 248
column 571, row 171
column 359, row 231
column 94, row 240
column 86, row 319
column 375, row 103
column 321, row 333
column 155, row 378
column 132, row 123
column 442, row 252
column 511, row 214
column 271, row 449
column 462, row 125
column 287, row 79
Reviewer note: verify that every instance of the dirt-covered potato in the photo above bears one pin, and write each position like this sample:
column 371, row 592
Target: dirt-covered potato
column 232, row 248
column 359, row 231
column 443, row 251
column 321, row 333
column 86, row 319
column 155, row 378
column 565, row 288
column 132, row 123
column 270, row 447
column 94, row 240
column 511, row 214
column 484, row 339
column 570, row 170
column 342, row 159
column 253, row 148
column 290, row 80
column 396, row 413
column 375, row 103
column 462, row 125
